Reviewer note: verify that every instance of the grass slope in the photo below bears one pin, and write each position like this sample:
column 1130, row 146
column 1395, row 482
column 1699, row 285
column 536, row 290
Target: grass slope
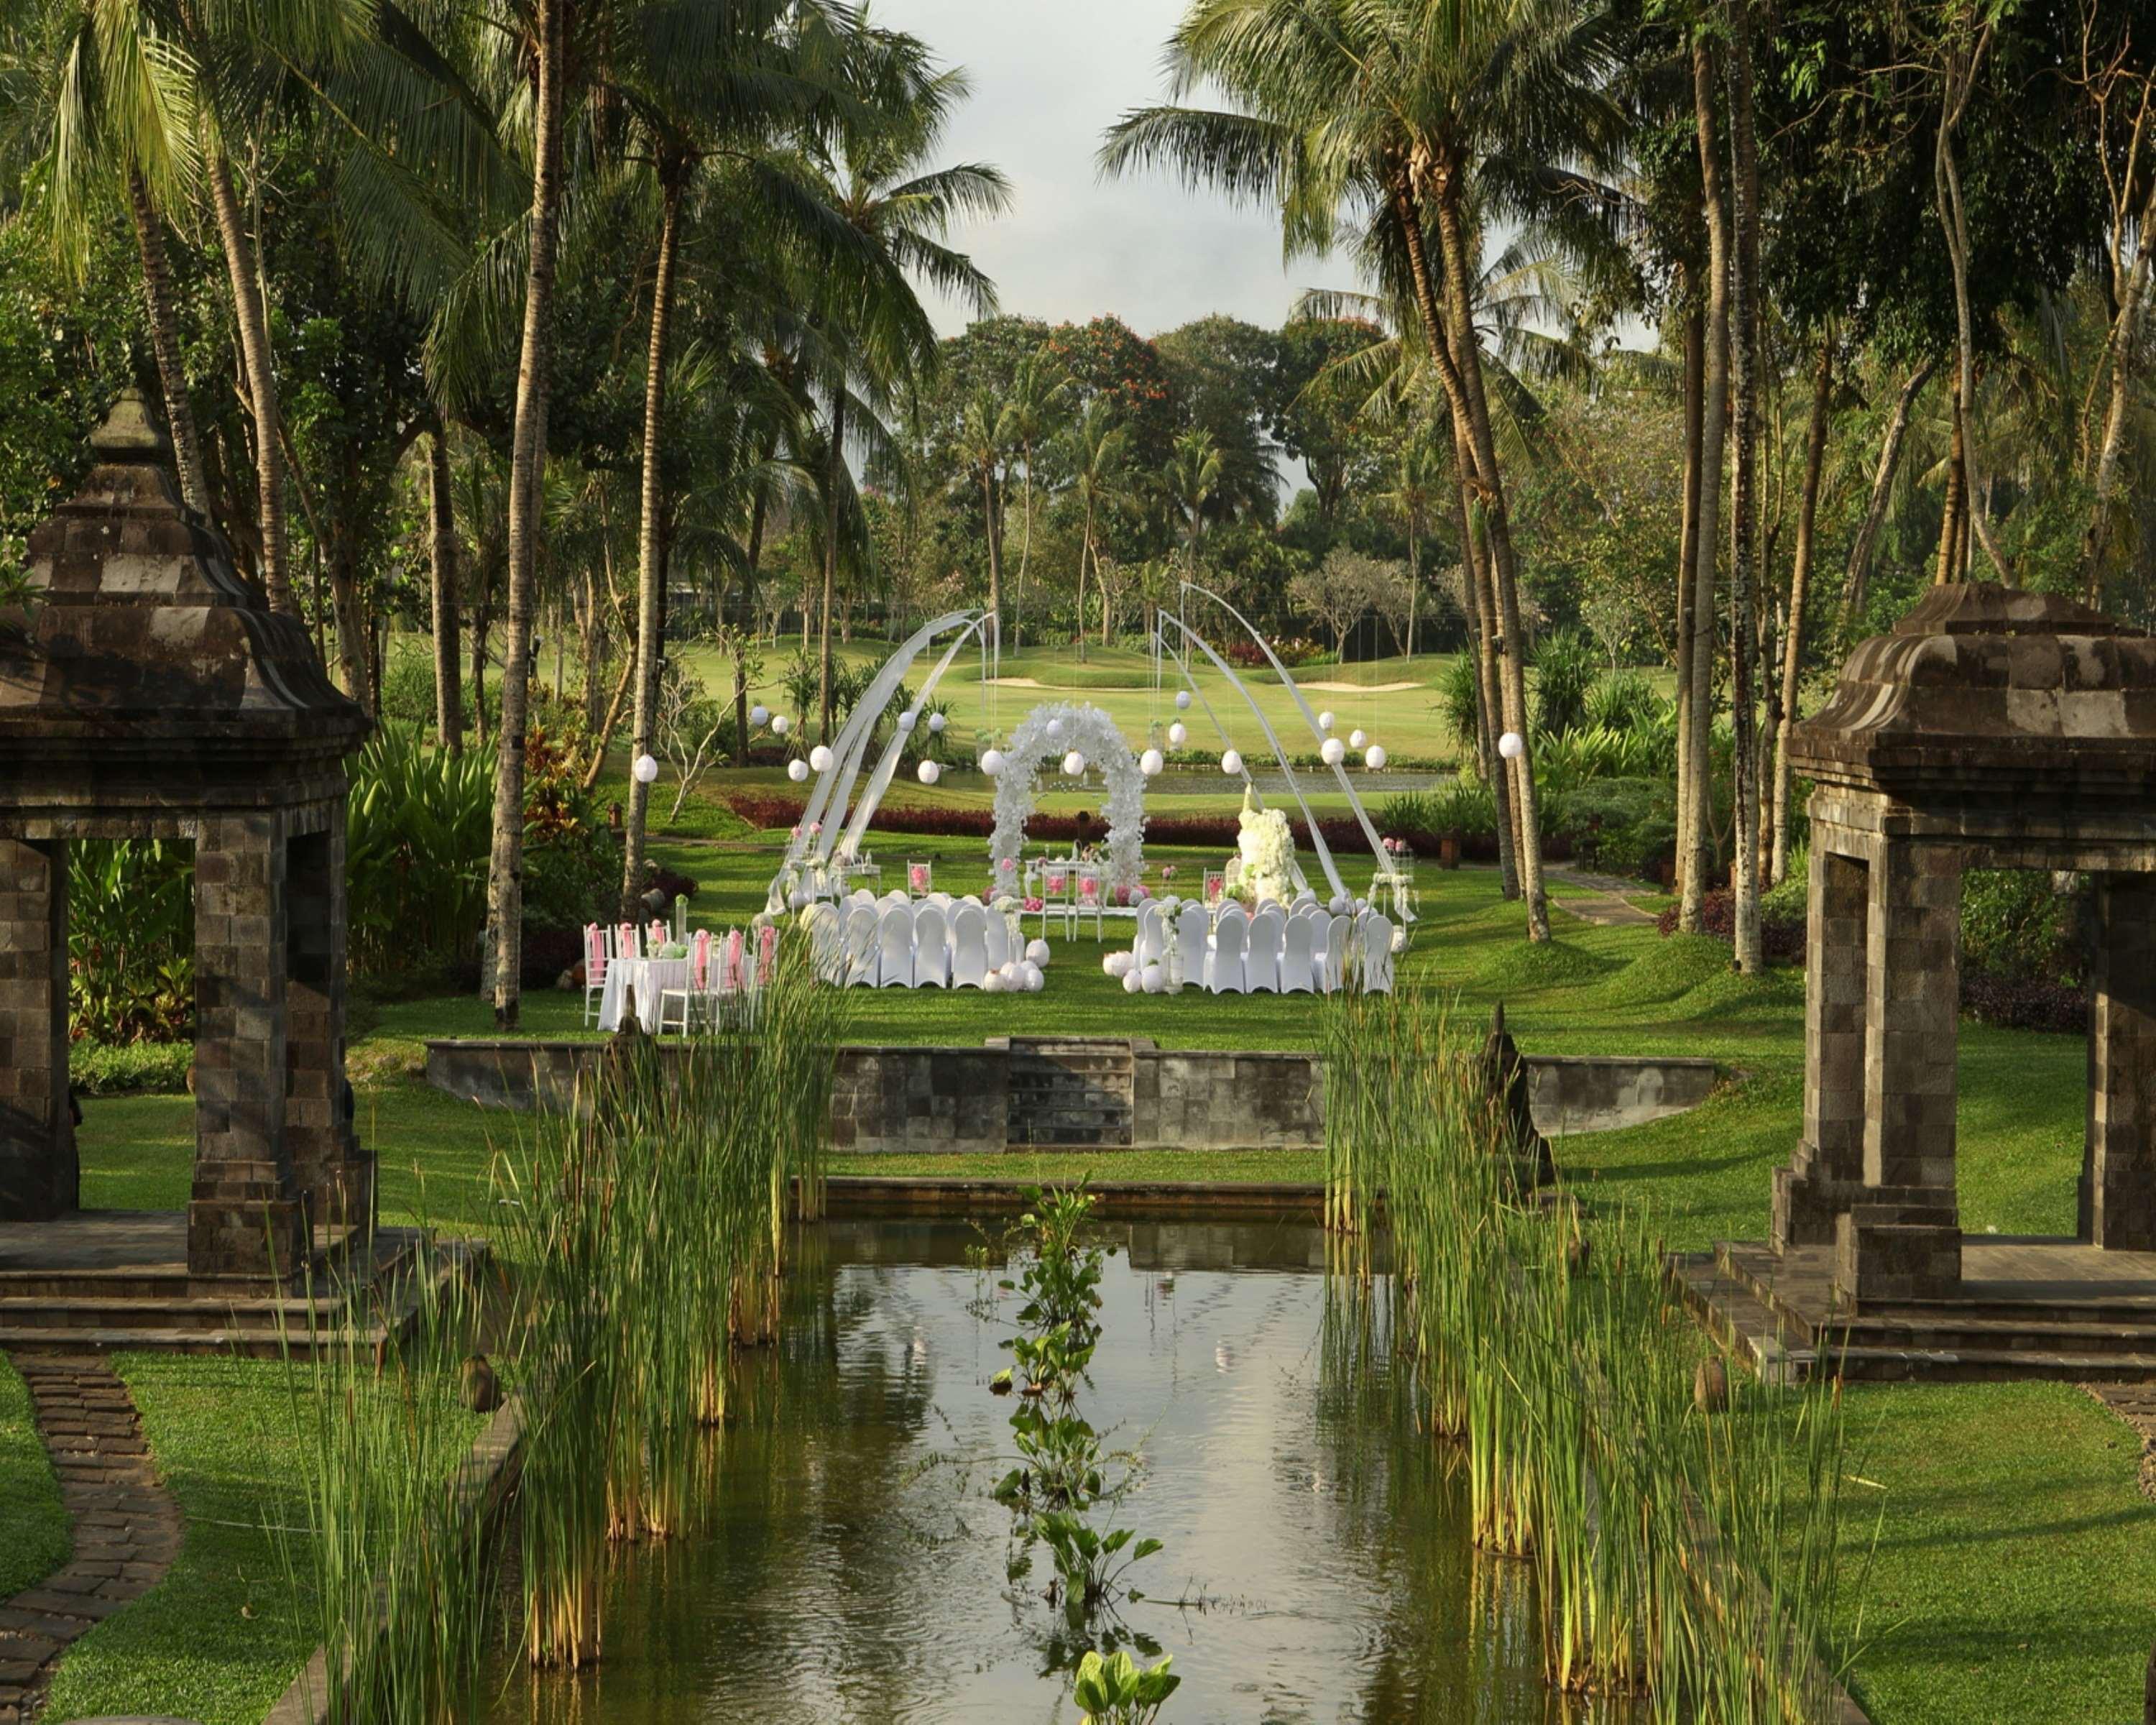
column 36, row 1539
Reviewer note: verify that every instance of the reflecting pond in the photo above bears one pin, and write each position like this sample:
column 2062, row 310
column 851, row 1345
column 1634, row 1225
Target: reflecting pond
column 1315, row 1565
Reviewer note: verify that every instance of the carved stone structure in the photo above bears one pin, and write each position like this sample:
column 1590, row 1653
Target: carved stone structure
column 1991, row 728
column 147, row 692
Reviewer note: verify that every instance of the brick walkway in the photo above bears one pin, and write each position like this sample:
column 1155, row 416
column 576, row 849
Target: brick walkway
column 126, row 1527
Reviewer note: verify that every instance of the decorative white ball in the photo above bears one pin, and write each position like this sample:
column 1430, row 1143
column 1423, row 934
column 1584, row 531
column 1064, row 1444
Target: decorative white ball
column 1178, row 735
column 1036, row 952
column 936, row 722
column 1154, row 980
column 798, row 771
column 1133, row 981
column 992, row 982
column 1511, row 745
column 1356, row 739
column 1055, row 730
column 1151, row 762
column 992, row 762
column 928, row 772
column 1231, row 763
column 1340, row 904
column 1333, row 752
column 820, row 758
column 797, row 898
column 759, row 716
column 905, row 719
column 1399, row 940
column 1074, row 763
column 1009, row 972
column 1031, row 977
column 1374, row 757
column 1182, row 700
column 781, row 724
column 1325, row 721
column 645, row 768
column 1108, row 965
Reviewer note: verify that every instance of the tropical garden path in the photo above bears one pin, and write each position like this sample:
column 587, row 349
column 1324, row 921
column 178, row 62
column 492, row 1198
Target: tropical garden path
column 1600, row 899
column 126, row 1527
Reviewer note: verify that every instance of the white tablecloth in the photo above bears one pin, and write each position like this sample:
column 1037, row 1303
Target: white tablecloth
column 649, row 977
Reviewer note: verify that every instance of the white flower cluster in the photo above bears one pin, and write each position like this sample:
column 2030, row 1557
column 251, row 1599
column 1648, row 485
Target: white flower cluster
column 1081, row 729
column 1265, row 856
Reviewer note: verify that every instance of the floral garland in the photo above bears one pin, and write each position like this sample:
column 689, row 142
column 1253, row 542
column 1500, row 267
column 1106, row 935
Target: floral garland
column 1087, row 729
column 1264, row 865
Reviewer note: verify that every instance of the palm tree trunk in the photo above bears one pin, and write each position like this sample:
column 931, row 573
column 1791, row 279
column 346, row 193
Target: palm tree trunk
column 1954, row 220
column 1800, row 581
column 442, row 549
column 1696, row 842
column 835, row 470
column 2125, row 343
column 992, row 504
column 1689, row 754
column 1948, row 565
column 527, row 471
column 1482, row 613
column 1024, row 558
column 253, row 327
column 164, row 345
column 1856, row 582
column 1085, row 551
column 647, row 571
column 482, row 627
column 353, row 627
column 1744, row 581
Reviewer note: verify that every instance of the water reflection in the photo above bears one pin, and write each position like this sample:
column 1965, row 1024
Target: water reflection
column 1315, row 1568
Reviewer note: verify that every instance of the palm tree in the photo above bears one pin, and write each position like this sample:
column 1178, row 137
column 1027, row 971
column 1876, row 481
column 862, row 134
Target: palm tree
column 1095, row 450
column 1193, row 478
column 984, row 449
column 1031, row 412
column 1418, row 482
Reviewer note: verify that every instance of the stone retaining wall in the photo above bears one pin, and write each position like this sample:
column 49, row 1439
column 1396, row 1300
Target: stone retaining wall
column 956, row 1100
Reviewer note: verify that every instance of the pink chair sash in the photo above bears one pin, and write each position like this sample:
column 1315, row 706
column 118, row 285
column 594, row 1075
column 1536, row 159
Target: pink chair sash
column 595, row 958
column 730, row 969
column 627, row 948
column 767, row 953
column 1088, row 889
column 702, row 957
column 658, row 931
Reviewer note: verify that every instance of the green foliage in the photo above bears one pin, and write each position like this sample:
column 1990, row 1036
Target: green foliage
column 1116, row 1692
column 2014, row 925
column 1564, row 671
column 1625, row 701
column 96, row 1069
column 417, row 835
column 407, row 691
column 1460, row 700
column 131, row 940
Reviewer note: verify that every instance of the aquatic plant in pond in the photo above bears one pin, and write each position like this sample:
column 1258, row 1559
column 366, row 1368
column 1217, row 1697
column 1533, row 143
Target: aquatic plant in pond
column 1116, row 1692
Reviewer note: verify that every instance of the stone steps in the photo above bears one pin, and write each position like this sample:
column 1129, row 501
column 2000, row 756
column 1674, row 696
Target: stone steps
column 1079, row 1093
column 121, row 1313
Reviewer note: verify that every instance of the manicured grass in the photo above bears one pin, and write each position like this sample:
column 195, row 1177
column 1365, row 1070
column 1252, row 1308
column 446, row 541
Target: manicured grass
column 1062, row 1168
column 37, row 1540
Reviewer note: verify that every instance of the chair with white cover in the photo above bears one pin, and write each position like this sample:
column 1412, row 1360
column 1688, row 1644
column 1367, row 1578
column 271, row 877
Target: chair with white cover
column 1226, row 973
column 1339, row 941
column 997, row 940
column 1298, row 964
column 895, row 938
column 1376, row 932
column 970, row 945
column 1193, row 935
column 1261, row 965
column 596, row 960
column 861, row 946
column 827, row 942
column 932, row 947
column 1058, row 895
column 1151, row 941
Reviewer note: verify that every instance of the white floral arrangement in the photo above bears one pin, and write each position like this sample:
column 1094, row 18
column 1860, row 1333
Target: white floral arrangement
column 1264, row 867
column 1087, row 729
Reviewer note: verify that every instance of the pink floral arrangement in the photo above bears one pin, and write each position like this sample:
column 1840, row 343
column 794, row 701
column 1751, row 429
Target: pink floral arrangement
column 1035, row 904
column 1395, row 847
column 815, row 829
column 1168, row 871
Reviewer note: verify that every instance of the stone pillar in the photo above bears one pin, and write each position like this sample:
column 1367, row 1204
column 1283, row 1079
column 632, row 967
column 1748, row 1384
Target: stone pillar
column 248, row 1216
column 326, row 1160
column 2119, row 1189
column 1828, row 1165
column 39, row 1177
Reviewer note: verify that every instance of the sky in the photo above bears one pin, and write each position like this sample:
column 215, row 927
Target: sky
column 1049, row 77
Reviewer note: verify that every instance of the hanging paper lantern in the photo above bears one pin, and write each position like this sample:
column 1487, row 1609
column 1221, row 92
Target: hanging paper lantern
column 936, row 722
column 1511, row 745
column 1182, row 700
column 1151, row 762
column 781, row 724
column 1373, row 757
column 906, row 720
column 646, row 769
column 1334, row 752
column 798, row 771
column 992, row 762
column 928, row 772
column 759, row 716
column 1178, row 735
column 1231, row 763
column 1325, row 721
column 820, row 758
column 1036, row 952
column 1356, row 739
column 1074, row 763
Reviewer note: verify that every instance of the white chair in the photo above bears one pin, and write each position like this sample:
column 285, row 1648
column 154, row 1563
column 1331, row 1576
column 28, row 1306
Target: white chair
column 1376, row 930
column 861, row 945
column 699, row 979
column 729, row 982
column 1193, row 936
column 1298, row 963
column 1226, row 973
column 1261, row 966
column 932, row 947
column 895, row 936
column 1092, row 893
column 998, row 934
column 1339, row 939
column 970, row 945
column 596, row 960
column 1151, row 941
column 827, row 942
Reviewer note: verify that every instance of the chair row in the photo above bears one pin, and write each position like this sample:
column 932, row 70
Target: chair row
column 919, row 945
column 1301, row 950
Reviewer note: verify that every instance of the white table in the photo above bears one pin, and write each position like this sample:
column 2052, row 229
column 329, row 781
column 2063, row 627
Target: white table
column 642, row 980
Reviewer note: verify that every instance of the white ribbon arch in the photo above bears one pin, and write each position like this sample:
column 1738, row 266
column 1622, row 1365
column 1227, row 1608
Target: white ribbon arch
column 1093, row 734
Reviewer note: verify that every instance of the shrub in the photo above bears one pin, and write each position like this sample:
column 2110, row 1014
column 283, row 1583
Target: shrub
column 101, row 1069
column 1625, row 701
column 1460, row 699
column 1783, row 941
column 1564, row 666
column 2015, row 927
column 131, row 941
column 407, row 691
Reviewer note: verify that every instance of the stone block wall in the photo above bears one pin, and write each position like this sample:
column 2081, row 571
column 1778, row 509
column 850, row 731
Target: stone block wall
column 39, row 1176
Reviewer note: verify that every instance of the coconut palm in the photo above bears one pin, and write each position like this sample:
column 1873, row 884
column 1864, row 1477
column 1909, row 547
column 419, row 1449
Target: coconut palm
column 1096, row 451
column 1194, row 474
column 1031, row 412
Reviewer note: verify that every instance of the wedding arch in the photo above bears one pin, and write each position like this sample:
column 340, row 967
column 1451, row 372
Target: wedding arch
column 1045, row 736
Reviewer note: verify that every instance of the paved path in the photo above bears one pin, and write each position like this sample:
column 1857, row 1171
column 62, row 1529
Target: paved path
column 1606, row 907
column 126, row 1527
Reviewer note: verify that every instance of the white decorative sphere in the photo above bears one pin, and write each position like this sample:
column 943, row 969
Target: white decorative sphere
column 1340, row 904
column 1325, row 721
column 1373, row 757
column 1399, row 940
column 1108, row 966
column 992, row 982
column 1151, row 762
column 797, row 898
column 797, row 771
column 645, row 768
column 1356, row 739
column 820, row 758
column 928, row 772
column 1231, row 763
column 992, row 762
column 936, row 722
column 1178, row 735
column 1133, row 981
column 1009, row 972
column 1511, row 745
column 1154, row 981
column 759, row 716
column 1182, row 700
column 1031, row 979
column 905, row 719
column 1055, row 730
column 781, row 724
column 1036, row 952
column 1074, row 763
column 1334, row 752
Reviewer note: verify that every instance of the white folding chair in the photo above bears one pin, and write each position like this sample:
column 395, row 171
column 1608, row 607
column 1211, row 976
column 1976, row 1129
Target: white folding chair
column 931, row 949
column 1377, row 953
column 861, row 946
column 1226, row 974
column 1059, row 888
column 895, row 937
column 970, row 945
column 1151, row 943
column 1092, row 893
column 1262, row 964
column 998, row 940
column 1339, row 942
column 1194, row 939
column 827, row 939
column 1298, row 963
column 699, row 978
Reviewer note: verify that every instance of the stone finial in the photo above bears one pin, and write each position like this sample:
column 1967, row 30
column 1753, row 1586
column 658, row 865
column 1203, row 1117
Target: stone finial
column 130, row 432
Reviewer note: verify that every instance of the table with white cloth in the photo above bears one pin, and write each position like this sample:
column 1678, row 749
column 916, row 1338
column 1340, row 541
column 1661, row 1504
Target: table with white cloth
column 642, row 980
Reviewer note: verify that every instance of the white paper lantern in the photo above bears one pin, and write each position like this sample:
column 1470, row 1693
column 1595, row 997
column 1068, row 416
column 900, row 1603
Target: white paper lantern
column 1151, row 762
column 1133, row 981
column 936, row 722
column 992, row 982
column 759, row 716
column 1055, row 730
column 797, row 898
column 781, row 724
column 820, row 758
column 1009, row 972
column 1325, row 721
column 928, row 772
column 1334, row 752
column 1340, row 904
column 1511, row 745
column 1074, row 763
column 1108, row 965
column 1178, row 735
column 1154, row 980
column 645, row 768
column 1231, row 763
column 1036, row 952
column 1182, row 700
column 798, row 771
column 905, row 719
column 1356, row 739
column 992, row 762
column 1373, row 757
column 1034, row 978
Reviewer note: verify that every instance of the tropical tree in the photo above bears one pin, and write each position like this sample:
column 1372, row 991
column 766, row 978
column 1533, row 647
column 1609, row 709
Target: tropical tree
column 1096, row 451
column 1193, row 479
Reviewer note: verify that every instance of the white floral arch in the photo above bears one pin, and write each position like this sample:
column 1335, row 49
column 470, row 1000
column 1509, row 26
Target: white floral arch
column 1086, row 728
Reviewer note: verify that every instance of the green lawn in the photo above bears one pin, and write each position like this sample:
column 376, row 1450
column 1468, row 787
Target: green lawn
column 37, row 1541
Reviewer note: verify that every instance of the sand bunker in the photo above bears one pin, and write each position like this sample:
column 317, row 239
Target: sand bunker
column 1358, row 688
